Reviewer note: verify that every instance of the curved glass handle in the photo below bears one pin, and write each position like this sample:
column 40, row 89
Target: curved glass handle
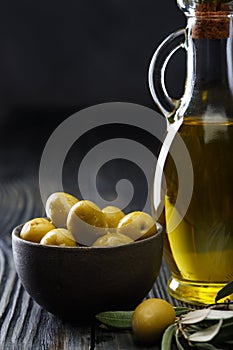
column 157, row 72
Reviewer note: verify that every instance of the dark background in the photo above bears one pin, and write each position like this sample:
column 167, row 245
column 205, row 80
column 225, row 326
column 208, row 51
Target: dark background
column 57, row 57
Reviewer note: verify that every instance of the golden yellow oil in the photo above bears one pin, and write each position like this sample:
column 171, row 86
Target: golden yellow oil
column 199, row 246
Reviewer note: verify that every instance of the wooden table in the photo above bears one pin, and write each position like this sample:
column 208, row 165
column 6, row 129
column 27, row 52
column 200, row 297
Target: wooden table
column 24, row 325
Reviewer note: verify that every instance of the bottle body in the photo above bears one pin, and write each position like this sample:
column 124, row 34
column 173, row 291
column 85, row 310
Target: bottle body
column 199, row 249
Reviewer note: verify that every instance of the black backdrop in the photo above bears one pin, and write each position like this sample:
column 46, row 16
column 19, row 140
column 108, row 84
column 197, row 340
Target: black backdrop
column 57, row 57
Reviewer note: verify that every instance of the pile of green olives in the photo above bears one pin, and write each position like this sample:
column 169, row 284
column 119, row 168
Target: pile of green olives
column 71, row 222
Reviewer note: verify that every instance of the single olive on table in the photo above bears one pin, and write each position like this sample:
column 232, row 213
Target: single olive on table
column 151, row 318
column 76, row 274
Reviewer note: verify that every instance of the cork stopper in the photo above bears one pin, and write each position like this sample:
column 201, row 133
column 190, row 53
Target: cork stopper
column 212, row 22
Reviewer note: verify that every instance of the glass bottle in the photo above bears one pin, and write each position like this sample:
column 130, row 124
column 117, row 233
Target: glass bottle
column 194, row 173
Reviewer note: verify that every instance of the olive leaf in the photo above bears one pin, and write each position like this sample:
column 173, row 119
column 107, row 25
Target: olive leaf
column 225, row 291
column 178, row 343
column 195, row 316
column 219, row 314
column 206, row 334
column 116, row 319
column 168, row 337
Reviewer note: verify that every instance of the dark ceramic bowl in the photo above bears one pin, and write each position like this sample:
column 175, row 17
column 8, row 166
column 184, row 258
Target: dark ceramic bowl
column 75, row 283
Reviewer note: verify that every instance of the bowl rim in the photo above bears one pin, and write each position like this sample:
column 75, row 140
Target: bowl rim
column 16, row 232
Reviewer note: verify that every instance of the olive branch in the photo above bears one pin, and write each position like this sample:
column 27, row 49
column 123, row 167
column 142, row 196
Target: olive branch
column 208, row 328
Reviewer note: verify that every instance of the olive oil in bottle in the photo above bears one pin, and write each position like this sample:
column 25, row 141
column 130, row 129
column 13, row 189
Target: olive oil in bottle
column 201, row 245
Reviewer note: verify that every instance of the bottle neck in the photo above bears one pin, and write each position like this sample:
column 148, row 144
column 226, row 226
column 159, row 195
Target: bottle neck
column 209, row 84
column 212, row 62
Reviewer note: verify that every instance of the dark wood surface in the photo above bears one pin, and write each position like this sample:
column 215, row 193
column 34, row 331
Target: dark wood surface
column 24, row 325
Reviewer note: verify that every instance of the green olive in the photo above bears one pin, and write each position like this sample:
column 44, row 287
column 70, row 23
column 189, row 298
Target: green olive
column 59, row 237
column 86, row 222
column 150, row 319
column 112, row 215
column 137, row 225
column 58, row 206
column 112, row 240
column 33, row 230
